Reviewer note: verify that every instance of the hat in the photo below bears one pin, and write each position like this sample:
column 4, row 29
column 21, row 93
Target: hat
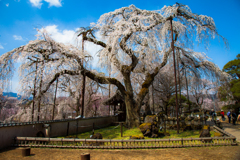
column 221, row 110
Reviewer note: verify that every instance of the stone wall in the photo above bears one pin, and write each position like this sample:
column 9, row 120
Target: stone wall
column 50, row 128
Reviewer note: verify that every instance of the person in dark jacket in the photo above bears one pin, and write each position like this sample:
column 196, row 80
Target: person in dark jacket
column 234, row 117
column 229, row 116
column 212, row 113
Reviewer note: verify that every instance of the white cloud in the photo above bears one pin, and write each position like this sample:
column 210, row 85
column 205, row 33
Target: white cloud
column 7, row 4
column 38, row 3
column 69, row 37
column 1, row 47
column 16, row 37
column 64, row 36
column 56, row 3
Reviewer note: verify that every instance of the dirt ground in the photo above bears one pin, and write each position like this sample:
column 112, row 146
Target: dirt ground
column 194, row 153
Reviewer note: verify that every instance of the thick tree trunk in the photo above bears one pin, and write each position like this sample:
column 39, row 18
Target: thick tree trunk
column 153, row 99
column 132, row 108
column 133, row 112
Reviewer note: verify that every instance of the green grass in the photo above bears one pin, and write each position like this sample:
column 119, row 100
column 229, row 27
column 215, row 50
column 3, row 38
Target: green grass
column 115, row 133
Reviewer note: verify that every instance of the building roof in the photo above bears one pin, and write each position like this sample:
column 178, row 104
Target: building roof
column 115, row 99
column 197, row 109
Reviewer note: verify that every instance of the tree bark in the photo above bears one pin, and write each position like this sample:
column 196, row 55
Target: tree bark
column 153, row 99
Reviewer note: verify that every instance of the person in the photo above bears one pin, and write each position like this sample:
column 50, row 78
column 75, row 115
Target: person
column 229, row 116
column 222, row 114
column 238, row 119
column 212, row 113
column 234, row 117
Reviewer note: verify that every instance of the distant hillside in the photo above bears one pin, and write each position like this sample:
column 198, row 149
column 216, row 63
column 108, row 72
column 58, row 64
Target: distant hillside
column 11, row 94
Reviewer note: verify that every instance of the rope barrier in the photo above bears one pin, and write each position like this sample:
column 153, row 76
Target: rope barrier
column 81, row 126
column 107, row 129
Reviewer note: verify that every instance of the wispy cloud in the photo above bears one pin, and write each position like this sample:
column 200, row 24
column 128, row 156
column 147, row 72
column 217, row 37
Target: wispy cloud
column 7, row 4
column 1, row 47
column 16, row 37
column 38, row 3
column 56, row 3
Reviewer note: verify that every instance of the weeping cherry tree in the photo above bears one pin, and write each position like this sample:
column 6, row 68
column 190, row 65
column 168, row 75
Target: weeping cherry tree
column 134, row 42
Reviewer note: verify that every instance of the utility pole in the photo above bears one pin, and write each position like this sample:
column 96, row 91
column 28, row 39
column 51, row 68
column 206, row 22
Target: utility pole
column 175, row 77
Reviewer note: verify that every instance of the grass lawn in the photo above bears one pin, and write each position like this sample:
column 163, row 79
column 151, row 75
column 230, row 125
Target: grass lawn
column 114, row 132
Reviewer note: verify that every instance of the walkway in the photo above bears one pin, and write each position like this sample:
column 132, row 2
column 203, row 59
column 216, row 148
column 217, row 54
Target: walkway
column 229, row 127
column 232, row 129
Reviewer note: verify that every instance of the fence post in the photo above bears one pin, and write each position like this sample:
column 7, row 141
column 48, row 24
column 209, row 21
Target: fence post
column 121, row 129
column 67, row 128
column 93, row 129
column 77, row 128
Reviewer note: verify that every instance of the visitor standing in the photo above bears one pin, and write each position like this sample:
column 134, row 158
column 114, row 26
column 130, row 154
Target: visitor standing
column 229, row 116
column 222, row 114
column 234, row 117
column 212, row 113
column 238, row 119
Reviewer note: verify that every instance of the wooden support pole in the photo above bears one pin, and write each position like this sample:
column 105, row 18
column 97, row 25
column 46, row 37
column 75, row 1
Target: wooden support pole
column 83, row 85
column 121, row 128
column 34, row 92
column 54, row 101
column 175, row 77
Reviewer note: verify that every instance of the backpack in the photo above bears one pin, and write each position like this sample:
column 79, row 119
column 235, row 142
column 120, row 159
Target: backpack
column 228, row 114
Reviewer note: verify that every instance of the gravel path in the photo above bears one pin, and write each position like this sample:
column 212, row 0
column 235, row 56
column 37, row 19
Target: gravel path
column 192, row 153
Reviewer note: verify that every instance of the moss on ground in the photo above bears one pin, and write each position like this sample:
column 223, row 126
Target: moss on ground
column 115, row 133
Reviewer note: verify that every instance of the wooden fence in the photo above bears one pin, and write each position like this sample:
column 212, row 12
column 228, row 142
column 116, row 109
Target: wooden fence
column 124, row 144
column 228, row 139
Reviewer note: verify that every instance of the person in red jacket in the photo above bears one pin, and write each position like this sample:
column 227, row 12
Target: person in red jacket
column 222, row 114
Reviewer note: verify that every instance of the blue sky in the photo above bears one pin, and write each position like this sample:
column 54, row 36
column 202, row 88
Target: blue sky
column 18, row 18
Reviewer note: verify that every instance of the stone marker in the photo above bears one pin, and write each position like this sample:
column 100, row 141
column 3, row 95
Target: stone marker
column 205, row 133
